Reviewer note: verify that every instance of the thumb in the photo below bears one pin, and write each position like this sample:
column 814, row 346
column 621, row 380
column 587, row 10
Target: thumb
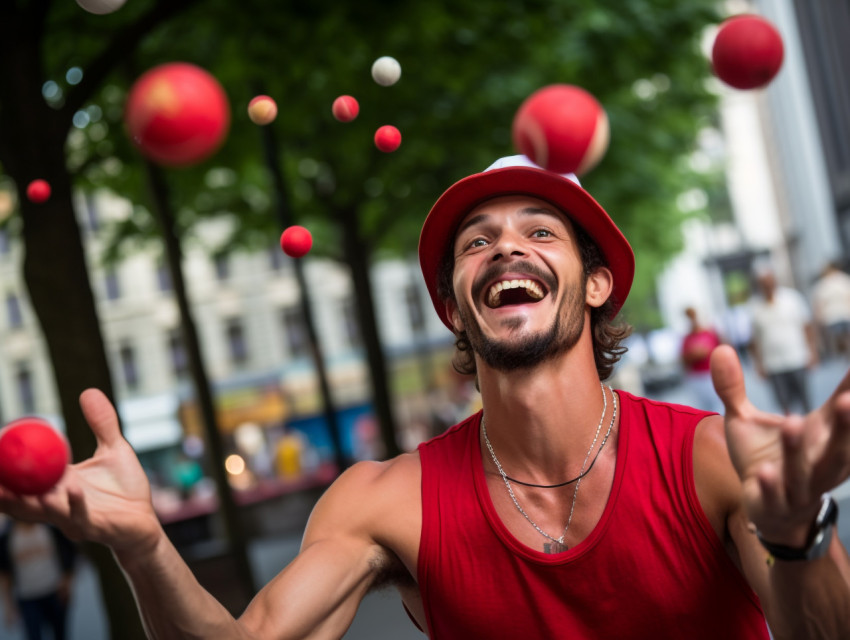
column 101, row 416
column 728, row 379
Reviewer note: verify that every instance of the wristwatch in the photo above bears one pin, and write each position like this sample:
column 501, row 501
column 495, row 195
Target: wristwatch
column 818, row 540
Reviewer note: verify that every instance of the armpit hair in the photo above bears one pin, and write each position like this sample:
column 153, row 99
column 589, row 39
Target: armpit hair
column 389, row 571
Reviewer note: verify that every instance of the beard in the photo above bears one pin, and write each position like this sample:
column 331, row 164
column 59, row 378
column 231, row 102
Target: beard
column 528, row 351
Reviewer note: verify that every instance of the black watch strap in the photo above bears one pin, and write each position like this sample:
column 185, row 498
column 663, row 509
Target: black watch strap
column 819, row 538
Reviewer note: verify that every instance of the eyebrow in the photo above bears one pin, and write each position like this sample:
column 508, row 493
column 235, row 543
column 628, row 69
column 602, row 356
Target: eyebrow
column 529, row 211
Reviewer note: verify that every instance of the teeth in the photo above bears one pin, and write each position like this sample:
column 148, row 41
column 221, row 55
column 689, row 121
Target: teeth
column 494, row 296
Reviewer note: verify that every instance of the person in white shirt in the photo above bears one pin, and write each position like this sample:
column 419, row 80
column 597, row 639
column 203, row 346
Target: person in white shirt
column 783, row 345
column 831, row 305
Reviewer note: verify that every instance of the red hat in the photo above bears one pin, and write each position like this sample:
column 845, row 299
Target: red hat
column 518, row 175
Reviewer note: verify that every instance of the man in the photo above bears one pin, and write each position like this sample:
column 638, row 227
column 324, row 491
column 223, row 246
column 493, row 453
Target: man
column 36, row 574
column 831, row 306
column 561, row 511
column 783, row 345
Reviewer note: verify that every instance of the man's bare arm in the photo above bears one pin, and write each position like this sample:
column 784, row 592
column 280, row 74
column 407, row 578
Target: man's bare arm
column 770, row 472
column 106, row 499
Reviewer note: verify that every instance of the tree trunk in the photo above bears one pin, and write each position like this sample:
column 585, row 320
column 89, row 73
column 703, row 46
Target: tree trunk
column 283, row 206
column 203, row 394
column 357, row 255
column 32, row 146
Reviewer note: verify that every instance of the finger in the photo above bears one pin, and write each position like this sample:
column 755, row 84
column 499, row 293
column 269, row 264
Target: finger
column 843, row 386
column 834, row 466
column 771, row 494
column 728, row 379
column 78, row 513
column 796, row 469
column 54, row 503
column 101, row 416
column 20, row 507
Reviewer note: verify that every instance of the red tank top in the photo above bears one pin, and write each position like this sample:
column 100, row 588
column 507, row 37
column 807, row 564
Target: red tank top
column 652, row 568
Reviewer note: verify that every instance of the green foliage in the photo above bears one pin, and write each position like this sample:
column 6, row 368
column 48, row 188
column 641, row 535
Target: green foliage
column 467, row 66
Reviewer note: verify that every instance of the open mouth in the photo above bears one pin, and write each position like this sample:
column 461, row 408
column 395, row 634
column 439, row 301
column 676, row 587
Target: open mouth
column 511, row 292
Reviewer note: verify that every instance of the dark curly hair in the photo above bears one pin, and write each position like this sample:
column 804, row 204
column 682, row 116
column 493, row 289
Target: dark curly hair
column 607, row 335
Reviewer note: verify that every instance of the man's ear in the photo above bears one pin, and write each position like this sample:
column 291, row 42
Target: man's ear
column 600, row 284
column 453, row 314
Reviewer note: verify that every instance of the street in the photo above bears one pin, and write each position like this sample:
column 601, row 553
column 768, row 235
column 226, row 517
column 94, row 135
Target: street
column 381, row 616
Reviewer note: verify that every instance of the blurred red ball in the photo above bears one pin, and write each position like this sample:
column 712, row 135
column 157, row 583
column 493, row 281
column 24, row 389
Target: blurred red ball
column 387, row 138
column 38, row 191
column 177, row 114
column 33, row 456
column 345, row 108
column 562, row 128
column 747, row 52
column 296, row 241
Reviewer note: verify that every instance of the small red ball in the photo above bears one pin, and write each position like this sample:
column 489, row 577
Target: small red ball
column 38, row 191
column 345, row 108
column 387, row 138
column 562, row 128
column 747, row 52
column 296, row 241
column 262, row 110
column 33, row 456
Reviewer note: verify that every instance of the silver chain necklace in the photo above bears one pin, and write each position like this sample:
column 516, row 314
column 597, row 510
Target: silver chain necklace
column 556, row 545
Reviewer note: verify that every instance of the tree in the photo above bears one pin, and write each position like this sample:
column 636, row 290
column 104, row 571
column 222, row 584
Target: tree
column 454, row 110
column 467, row 66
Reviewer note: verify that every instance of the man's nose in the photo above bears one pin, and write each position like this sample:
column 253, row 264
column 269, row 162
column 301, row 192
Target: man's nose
column 508, row 244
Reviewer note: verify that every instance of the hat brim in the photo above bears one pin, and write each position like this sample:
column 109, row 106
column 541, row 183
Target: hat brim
column 579, row 206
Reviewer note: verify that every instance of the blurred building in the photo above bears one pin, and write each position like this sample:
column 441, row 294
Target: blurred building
column 786, row 153
column 246, row 307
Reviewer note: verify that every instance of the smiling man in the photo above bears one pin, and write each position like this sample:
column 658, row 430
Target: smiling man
column 563, row 509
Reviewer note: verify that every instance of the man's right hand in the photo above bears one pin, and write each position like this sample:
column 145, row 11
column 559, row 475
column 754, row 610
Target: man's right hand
column 104, row 499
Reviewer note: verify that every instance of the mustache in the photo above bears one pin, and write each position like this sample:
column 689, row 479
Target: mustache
column 523, row 266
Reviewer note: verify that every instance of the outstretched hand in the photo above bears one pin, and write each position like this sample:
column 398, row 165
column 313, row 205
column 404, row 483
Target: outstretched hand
column 104, row 499
column 785, row 462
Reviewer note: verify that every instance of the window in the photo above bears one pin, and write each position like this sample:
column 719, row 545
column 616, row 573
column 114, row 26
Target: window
column 413, row 302
column 350, row 327
column 129, row 368
column 110, row 279
column 236, row 341
column 92, row 217
column 13, row 311
column 295, row 332
column 177, row 351
column 222, row 266
column 163, row 276
column 24, row 384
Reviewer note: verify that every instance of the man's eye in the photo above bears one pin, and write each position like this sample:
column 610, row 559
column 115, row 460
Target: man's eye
column 478, row 242
column 542, row 233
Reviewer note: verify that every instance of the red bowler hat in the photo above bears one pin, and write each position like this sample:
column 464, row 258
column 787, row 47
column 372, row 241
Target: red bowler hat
column 517, row 175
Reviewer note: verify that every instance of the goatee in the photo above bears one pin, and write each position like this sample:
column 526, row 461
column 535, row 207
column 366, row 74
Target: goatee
column 528, row 351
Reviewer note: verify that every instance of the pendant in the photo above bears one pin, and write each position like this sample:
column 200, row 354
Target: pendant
column 554, row 547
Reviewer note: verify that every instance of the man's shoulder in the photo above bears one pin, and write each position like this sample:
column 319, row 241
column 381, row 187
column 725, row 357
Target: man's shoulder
column 368, row 491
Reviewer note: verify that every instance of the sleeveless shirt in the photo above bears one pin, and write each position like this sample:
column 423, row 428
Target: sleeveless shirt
column 652, row 567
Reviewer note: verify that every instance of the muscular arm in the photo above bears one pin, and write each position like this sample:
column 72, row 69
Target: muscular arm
column 802, row 599
column 757, row 469
column 362, row 520
column 315, row 597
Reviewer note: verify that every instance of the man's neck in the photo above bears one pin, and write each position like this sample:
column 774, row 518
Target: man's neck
column 542, row 420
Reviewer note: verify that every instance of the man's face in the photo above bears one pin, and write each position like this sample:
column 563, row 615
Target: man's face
column 518, row 282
